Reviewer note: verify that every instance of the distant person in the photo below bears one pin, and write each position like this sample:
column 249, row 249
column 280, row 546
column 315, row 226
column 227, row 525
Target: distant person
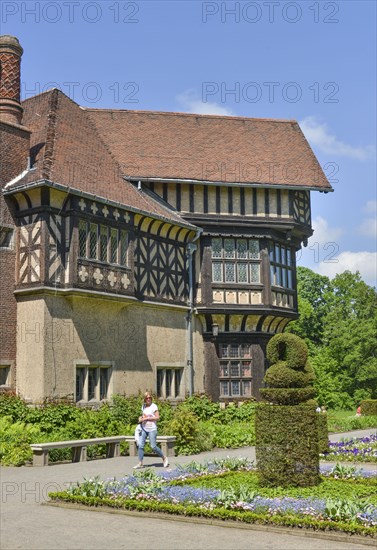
column 148, row 420
column 358, row 411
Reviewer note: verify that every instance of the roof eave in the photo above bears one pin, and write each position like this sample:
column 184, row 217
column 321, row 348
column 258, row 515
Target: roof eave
column 302, row 187
column 91, row 196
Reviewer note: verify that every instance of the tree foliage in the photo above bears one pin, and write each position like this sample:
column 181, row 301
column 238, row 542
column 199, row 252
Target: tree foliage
column 338, row 320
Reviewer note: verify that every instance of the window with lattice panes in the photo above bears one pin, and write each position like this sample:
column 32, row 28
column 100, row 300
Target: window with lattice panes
column 92, row 382
column 235, row 370
column 102, row 243
column 235, row 260
column 170, row 382
column 282, row 265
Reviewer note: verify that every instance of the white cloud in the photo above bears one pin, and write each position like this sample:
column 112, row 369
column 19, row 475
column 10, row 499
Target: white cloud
column 364, row 262
column 318, row 134
column 192, row 103
column 322, row 254
column 323, row 233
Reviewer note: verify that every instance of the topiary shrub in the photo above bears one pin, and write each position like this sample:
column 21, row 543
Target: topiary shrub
column 289, row 348
column 287, row 443
column 369, row 407
column 288, row 396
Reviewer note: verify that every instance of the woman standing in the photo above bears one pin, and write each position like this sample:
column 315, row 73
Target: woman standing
column 148, row 419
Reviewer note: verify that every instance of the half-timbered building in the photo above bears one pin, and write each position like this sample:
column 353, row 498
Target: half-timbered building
column 144, row 249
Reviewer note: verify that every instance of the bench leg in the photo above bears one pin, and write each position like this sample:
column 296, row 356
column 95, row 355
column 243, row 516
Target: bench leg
column 167, row 447
column 133, row 448
column 170, row 450
column 164, row 448
column 40, row 458
column 79, row 454
column 112, row 450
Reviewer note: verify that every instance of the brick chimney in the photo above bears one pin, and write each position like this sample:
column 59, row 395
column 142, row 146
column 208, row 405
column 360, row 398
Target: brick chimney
column 14, row 153
column 14, row 138
column 10, row 78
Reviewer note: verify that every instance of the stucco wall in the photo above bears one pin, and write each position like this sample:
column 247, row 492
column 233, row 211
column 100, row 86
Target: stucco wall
column 60, row 333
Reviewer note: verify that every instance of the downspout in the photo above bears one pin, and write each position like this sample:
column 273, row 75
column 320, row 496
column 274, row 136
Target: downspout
column 191, row 249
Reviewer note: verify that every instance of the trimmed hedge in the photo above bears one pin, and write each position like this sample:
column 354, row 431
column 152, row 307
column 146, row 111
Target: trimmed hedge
column 369, row 407
column 289, row 348
column 287, row 396
column 287, row 445
column 287, row 428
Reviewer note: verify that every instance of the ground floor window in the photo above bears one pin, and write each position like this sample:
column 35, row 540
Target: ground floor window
column 6, row 237
column 170, row 382
column 4, row 375
column 93, row 382
column 235, row 370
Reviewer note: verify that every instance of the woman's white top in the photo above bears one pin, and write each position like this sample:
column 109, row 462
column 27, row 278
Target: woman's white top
column 149, row 425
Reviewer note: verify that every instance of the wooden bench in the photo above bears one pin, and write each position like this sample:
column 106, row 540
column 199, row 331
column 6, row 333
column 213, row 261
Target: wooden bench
column 166, row 442
column 79, row 446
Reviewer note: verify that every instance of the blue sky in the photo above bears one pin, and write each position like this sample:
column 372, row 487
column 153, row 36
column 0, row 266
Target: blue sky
column 306, row 60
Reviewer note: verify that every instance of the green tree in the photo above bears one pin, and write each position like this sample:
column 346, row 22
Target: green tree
column 339, row 323
column 313, row 290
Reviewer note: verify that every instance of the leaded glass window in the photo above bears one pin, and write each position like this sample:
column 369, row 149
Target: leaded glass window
column 82, row 238
column 281, row 265
column 123, row 247
column 242, row 273
column 235, row 261
column 254, row 249
column 230, row 272
column 102, row 243
column 216, row 248
column 114, row 246
column 229, row 249
column 235, row 370
column 242, row 248
column 217, row 272
column 93, row 241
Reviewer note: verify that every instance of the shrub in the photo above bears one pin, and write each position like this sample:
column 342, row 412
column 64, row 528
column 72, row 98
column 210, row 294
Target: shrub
column 201, row 405
column 289, row 348
column 287, row 429
column 287, row 396
column 52, row 417
column 369, row 407
column 282, row 376
column 13, row 406
column 287, row 445
column 185, row 427
column 15, row 439
column 234, row 435
column 323, row 432
column 126, row 409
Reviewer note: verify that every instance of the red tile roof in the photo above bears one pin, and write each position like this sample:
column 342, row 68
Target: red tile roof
column 91, row 150
column 67, row 149
column 150, row 144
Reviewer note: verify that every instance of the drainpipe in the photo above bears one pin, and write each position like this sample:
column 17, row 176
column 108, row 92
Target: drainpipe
column 191, row 249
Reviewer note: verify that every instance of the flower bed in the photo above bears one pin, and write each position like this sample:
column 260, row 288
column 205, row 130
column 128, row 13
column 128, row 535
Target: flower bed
column 173, row 492
column 362, row 449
